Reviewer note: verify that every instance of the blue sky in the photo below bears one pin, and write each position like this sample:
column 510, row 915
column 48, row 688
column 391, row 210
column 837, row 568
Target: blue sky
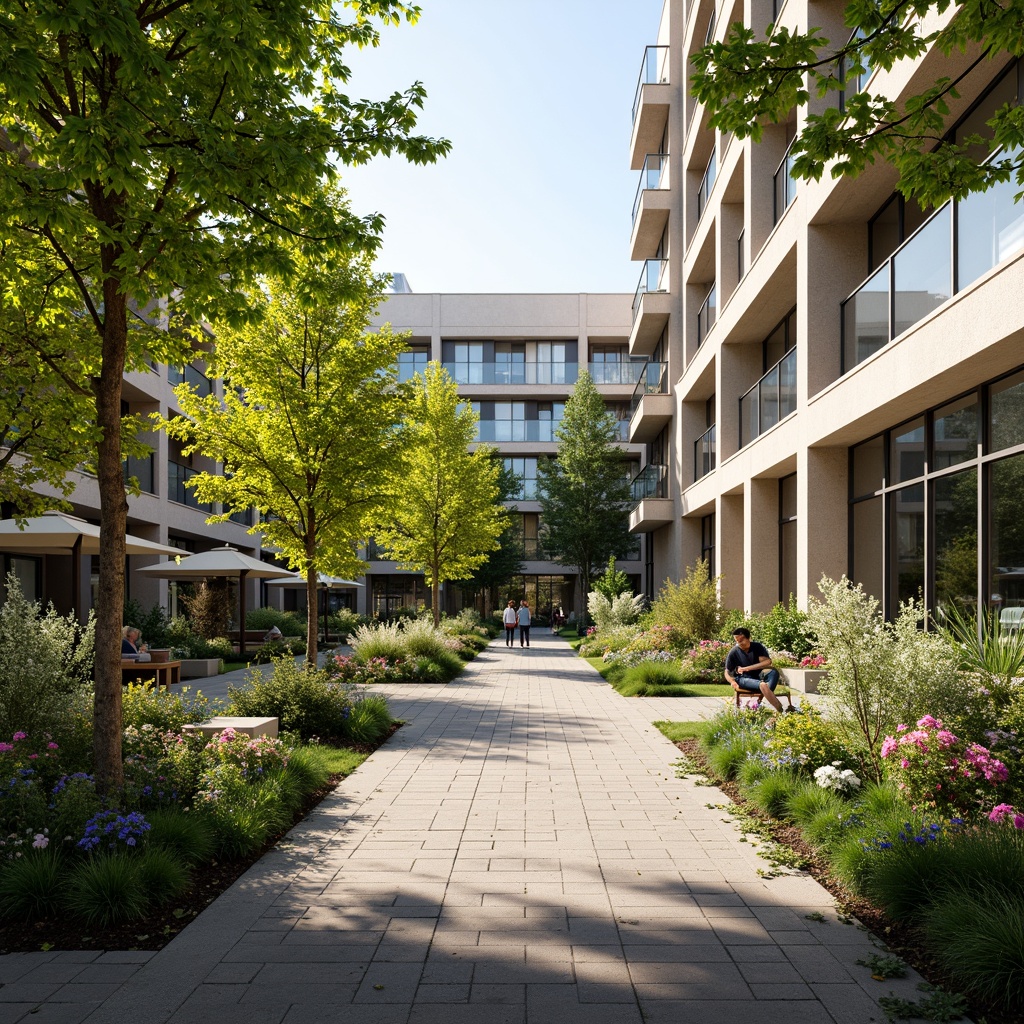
column 536, row 97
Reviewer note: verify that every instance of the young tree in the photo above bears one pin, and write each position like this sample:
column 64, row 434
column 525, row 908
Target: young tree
column 167, row 150
column 444, row 517
column 746, row 81
column 584, row 494
column 308, row 426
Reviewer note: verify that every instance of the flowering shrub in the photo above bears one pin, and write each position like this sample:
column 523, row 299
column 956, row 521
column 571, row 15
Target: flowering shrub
column 813, row 661
column 833, row 776
column 609, row 612
column 937, row 769
column 1006, row 812
column 109, row 828
column 255, row 757
column 912, row 834
column 630, row 658
column 812, row 739
column 709, row 656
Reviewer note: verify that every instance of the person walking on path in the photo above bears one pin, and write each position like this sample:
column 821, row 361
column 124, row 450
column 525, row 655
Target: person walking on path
column 509, row 618
column 524, row 623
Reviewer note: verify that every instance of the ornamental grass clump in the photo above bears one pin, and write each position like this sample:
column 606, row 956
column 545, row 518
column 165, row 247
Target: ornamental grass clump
column 108, row 890
column 32, row 886
column 378, row 640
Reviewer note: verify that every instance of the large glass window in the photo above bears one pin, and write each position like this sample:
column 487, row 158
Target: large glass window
column 524, row 467
column 412, row 361
column 907, row 565
column 907, row 460
column 957, row 433
column 1006, row 544
column 868, row 467
column 707, row 542
column 1006, row 413
column 955, row 518
column 867, row 568
column 787, row 537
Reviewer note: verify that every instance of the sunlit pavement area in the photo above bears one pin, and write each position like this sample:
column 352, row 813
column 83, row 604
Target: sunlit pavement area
column 520, row 852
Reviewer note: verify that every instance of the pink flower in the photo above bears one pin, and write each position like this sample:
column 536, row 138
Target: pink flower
column 20, row 736
column 52, row 746
column 1000, row 811
column 929, row 723
column 904, row 763
column 946, row 738
column 888, row 745
column 6, row 748
column 32, row 757
column 1018, row 821
column 901, row 728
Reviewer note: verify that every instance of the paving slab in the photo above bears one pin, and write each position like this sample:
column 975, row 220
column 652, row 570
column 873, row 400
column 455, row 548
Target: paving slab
column 520, row 852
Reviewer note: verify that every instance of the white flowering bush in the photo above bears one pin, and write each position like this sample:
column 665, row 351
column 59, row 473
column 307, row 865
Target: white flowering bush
column 43, row 659
column 622, row 610
column 837, row 778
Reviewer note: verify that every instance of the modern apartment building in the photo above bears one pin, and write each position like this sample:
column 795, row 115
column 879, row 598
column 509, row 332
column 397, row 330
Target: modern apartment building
column 516, row 358
column 835, row 376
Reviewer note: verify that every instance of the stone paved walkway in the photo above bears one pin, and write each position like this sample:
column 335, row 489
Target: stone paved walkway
column 519, row 853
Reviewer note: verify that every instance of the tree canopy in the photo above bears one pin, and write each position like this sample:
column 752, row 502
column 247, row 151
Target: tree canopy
column 167, row 151
column 747, row 81
column 307, row 427
column 584, row 493
column 445, row 516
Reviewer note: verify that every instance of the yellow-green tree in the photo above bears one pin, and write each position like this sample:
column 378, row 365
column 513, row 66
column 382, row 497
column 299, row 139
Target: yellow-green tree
column 308, row 426
column 445, row 516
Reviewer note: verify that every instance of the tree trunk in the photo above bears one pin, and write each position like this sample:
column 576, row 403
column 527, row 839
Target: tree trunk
column 312, row 616
column 107, row 762
column 435, row 600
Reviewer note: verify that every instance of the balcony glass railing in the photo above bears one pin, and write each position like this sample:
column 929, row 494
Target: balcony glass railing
column 770, row 400
column 653, row 381
column 707, row 314
column 741, row 256
column 654, row 278
column 196, row 379
column 517, row 430
column 654, row 175
column 177, row 491
column 142, row 470
column 513, row 373
column 653, row 71
column 929, row 267
column 650, row 482
column 785, row 184
column 626, row 372
column 707, row 183
column 704, row 453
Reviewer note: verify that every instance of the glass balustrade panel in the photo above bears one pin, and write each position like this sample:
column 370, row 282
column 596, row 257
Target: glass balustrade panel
column 866, row 319
column 923, row 272
column 990, row 228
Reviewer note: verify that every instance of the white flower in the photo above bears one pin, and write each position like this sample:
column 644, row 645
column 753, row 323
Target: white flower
column 40, row 842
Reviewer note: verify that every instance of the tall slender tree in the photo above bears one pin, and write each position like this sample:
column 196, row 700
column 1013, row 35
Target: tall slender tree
column 168, row 150
column 584, row 493
column 307, row 428
column 445, row 516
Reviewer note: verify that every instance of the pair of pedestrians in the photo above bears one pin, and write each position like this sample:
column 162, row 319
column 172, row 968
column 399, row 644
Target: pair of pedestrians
column 520, row 618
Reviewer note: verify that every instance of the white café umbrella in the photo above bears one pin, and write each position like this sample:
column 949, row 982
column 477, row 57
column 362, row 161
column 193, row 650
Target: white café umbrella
column 56, row 531
column 323, row 581
column 225, row 561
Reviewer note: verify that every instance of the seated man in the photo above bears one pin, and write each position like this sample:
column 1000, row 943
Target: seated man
column 748, row 667
column 131, row 648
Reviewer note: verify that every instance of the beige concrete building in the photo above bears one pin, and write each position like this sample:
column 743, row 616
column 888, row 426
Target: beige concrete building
column 164, row 511
column 835, row 376
column 516, row 358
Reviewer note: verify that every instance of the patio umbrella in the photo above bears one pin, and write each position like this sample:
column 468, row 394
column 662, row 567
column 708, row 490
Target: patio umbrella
column 54, row 532
column 226, row 561
column 324, row 582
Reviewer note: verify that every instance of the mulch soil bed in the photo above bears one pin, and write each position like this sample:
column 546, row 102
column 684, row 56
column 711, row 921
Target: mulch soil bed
column 901, row 939
column 155, row 931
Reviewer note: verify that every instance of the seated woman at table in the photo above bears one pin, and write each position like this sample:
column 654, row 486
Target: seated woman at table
column 131, row 648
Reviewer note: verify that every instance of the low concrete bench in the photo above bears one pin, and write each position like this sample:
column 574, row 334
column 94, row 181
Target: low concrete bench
column 247, row 726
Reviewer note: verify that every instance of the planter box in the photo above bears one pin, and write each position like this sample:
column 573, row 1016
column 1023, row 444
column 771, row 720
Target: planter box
column 804, row 680
column 249, row 726
column 199, row 668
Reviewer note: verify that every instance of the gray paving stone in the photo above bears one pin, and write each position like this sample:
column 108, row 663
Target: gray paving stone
column 519, row 853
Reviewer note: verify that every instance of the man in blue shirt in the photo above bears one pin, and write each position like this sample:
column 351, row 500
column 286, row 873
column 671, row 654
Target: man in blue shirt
column 748, row 667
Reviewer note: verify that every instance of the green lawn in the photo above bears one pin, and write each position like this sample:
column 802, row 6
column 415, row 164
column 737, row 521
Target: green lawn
column 677, row 731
